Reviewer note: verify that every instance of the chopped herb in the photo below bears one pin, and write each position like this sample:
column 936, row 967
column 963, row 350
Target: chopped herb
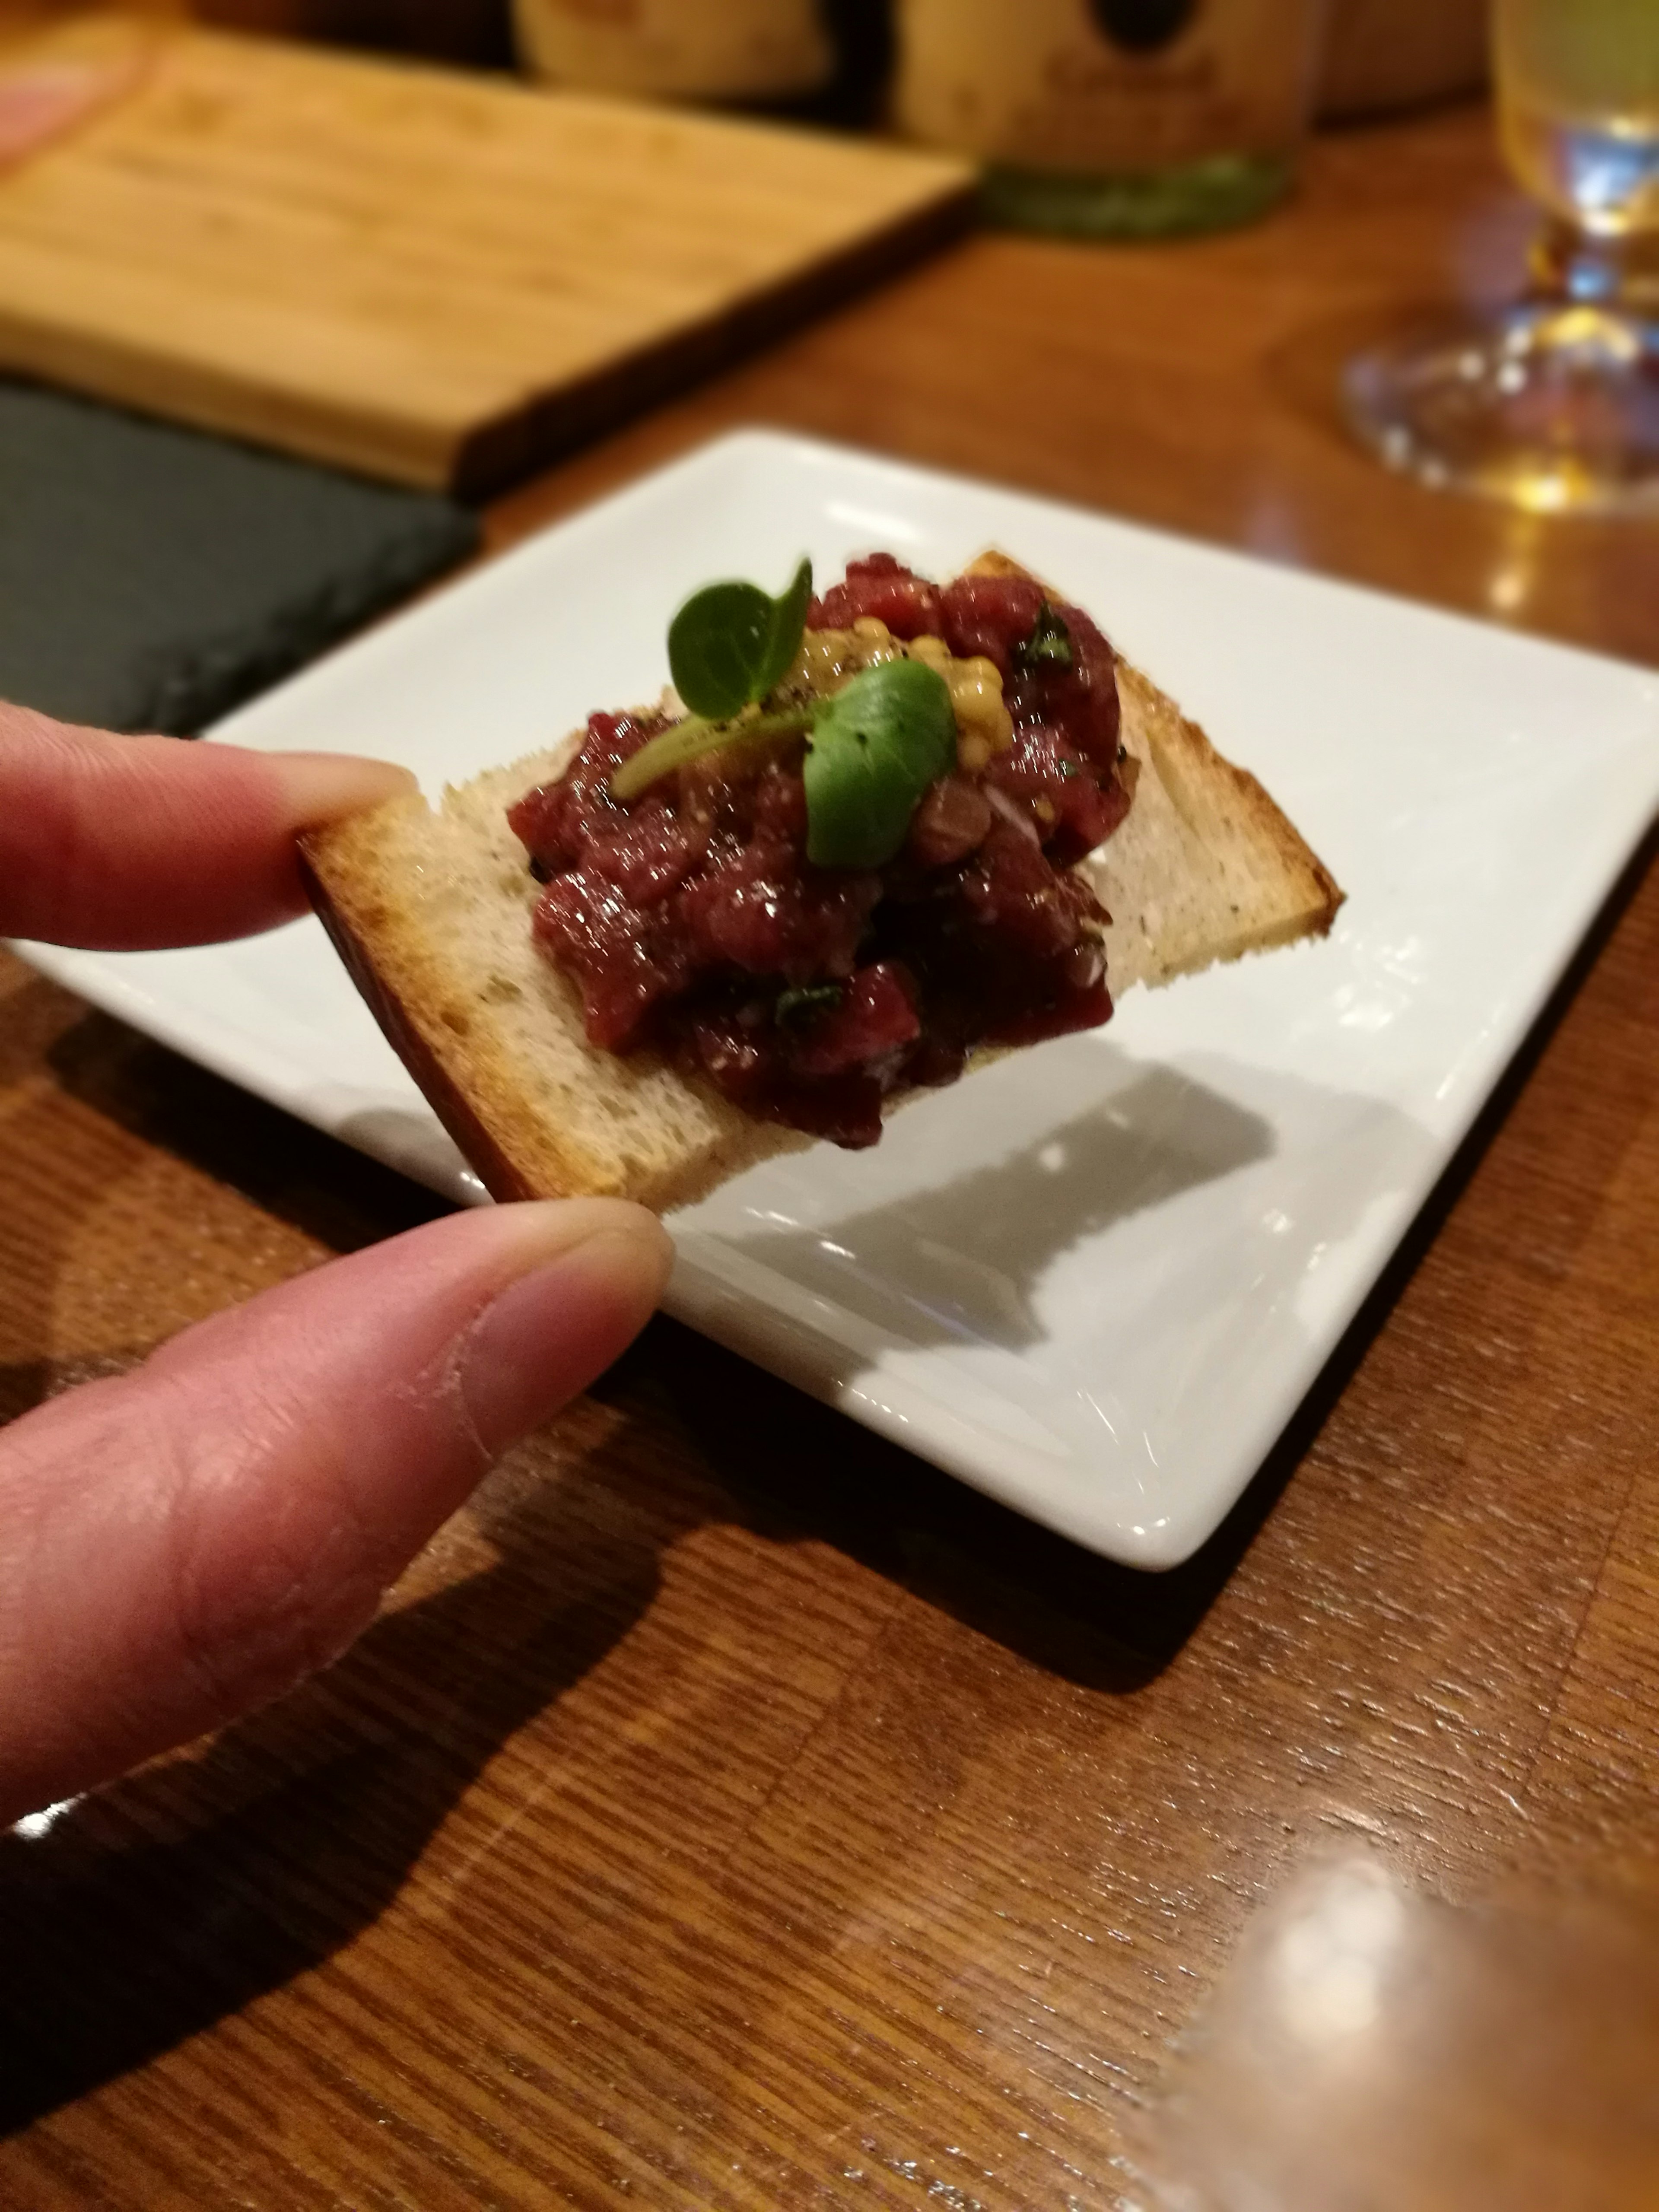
column 1049, row 645
column 797, row 1007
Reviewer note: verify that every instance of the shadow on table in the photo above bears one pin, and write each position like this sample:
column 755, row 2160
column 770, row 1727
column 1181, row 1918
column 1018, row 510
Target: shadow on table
column 323, row 1188
column 184, row 1894
column 142, row 1915
column 180, row 1897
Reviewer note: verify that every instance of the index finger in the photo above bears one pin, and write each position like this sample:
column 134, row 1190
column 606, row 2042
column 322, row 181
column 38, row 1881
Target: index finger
column 134, row 842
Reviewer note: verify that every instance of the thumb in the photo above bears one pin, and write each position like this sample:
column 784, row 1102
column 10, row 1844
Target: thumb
column 188, row 1540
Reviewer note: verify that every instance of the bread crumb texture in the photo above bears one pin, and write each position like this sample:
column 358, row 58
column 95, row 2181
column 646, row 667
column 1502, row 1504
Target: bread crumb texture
column 1204, row 867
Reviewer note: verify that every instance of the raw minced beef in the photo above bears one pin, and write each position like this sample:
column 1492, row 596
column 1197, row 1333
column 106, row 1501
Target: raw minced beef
column 692, row 920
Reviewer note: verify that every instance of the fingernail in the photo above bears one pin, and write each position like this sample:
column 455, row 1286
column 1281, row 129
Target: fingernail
column 318, row 788
column 598, row 1271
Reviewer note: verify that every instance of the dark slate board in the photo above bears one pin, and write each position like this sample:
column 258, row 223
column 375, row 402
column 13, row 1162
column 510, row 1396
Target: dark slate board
column 152, row 577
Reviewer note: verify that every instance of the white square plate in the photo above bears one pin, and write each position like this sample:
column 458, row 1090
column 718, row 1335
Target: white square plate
column 1096, row 1280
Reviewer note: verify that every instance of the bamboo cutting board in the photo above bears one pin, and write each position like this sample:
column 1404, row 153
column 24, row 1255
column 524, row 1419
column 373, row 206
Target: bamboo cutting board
column 427, row 275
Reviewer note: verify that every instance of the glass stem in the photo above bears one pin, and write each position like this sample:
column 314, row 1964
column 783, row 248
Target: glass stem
column 1577, row 268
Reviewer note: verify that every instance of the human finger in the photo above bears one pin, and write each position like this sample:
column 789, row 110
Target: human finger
column 185, row 1541
column 112, row 842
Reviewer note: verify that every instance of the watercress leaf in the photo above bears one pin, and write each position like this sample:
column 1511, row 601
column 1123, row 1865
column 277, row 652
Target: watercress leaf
column 730, row 643
column 784, row 632
column 1049, row 645
column 716, row 644
column 874, row 748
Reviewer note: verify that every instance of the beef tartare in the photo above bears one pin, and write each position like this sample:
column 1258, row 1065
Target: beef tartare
column 693, row 921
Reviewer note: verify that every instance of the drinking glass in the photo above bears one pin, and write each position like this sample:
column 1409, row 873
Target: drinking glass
column 1553, row 403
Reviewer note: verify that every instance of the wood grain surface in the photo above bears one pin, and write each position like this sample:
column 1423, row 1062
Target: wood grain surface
column 419, row 273
column 730, row 1811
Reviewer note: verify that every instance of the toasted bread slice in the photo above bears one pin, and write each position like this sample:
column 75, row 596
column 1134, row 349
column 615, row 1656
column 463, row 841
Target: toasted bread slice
column 431, row 913
column 1205, row 867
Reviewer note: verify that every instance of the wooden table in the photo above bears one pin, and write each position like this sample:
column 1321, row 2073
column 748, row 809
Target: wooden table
column 731, row 1812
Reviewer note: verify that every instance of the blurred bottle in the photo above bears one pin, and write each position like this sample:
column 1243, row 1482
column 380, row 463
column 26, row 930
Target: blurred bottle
column 1132, row 118
column 862, row 31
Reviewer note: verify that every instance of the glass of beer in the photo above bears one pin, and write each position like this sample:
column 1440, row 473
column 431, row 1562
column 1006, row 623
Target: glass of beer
column 1552, row 404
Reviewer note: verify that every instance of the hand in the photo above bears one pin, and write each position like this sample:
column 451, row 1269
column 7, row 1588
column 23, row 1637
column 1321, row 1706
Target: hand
column 188, row 1541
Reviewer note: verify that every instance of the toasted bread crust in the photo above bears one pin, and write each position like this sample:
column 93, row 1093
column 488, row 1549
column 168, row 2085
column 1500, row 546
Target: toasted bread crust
column 480, row 1024
column 359, row 942
column 431, row 914
column 1279, row 891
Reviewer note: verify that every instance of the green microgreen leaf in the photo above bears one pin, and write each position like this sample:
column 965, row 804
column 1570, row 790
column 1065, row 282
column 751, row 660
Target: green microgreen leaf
column 788, row 627
column 800, row 1006
column 1049, row 645
column 689, row 740
column 730, row 643
column 872, row 748
column 875, row 747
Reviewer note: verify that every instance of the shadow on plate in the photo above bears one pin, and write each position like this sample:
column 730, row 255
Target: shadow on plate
column 960, row 1262
column 1102, row 1626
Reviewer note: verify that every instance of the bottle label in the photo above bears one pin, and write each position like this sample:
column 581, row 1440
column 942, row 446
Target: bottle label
column 1107, row 86
column 684, row 49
